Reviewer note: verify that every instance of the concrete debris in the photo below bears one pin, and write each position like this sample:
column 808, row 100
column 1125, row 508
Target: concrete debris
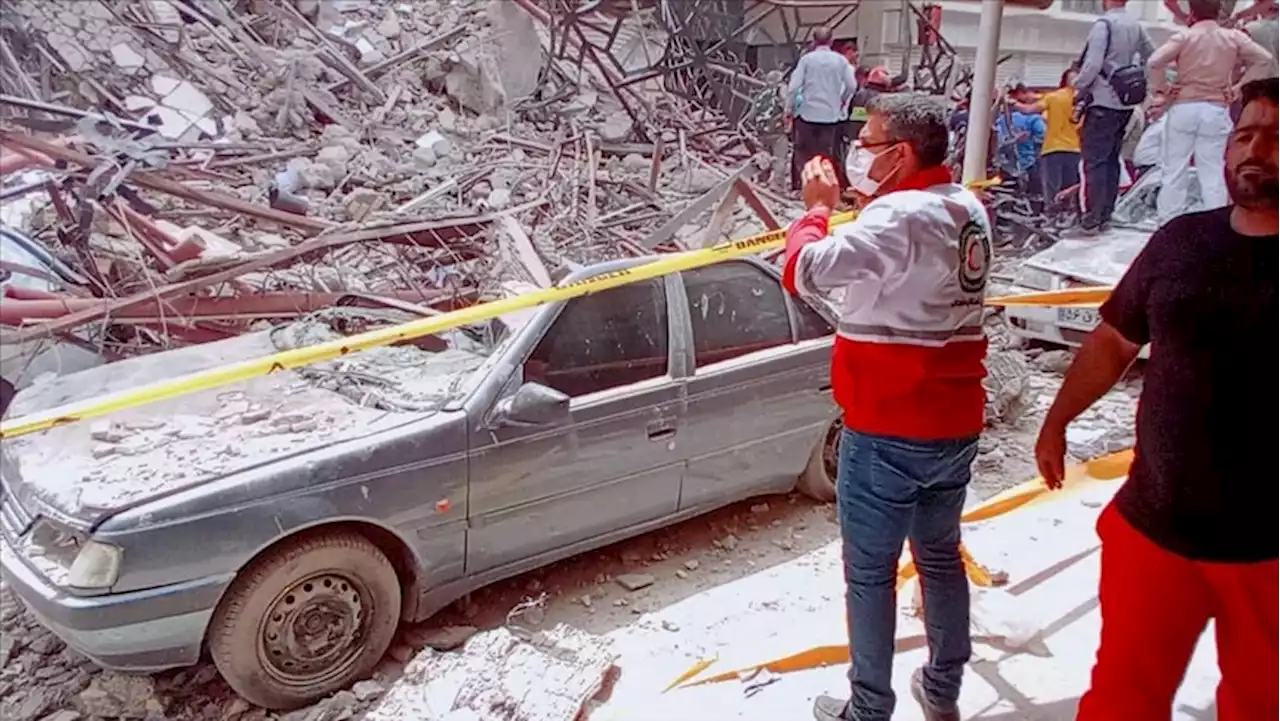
column 118, row 696
column 550, row 677
column 367, row 690
column 1006, row 385
column 1054, row 361
column 635, row 581
column 446, row 638
column 351, row 119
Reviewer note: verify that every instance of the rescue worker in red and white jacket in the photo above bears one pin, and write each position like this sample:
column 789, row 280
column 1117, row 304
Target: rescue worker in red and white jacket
column 907, row 370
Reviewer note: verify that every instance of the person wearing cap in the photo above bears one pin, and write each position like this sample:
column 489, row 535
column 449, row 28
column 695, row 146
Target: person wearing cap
column 907, row 370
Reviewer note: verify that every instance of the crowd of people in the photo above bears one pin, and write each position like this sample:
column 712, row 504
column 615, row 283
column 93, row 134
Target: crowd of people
column 1126, row 108
column 1187, row 537
column 1123, row 109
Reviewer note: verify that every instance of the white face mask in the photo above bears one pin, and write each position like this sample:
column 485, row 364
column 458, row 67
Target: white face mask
column 857, row 166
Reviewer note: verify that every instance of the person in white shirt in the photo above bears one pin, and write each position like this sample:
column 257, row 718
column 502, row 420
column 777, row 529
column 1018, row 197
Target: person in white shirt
column 1209, row 59
column 1149, row 153
column 820, row 89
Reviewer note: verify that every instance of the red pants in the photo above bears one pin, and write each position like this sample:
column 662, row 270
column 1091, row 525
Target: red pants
column 1155, row 605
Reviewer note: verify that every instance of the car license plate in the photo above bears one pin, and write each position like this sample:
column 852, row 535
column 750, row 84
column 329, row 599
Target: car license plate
column 1079, row 318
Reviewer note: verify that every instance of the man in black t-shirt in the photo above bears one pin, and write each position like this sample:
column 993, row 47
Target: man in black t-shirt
column 1192, row 534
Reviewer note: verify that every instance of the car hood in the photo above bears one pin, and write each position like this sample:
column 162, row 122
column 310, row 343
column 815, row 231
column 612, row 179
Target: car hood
column 1100, row 260
column 85, row 471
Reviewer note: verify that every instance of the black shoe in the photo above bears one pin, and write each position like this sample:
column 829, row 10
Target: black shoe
column 1086, row 231
column 931, row 712
column 826, row 708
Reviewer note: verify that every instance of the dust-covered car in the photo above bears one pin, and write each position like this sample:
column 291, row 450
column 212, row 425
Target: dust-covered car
column 1080, row 262
column 290, row 522
column 27, row 269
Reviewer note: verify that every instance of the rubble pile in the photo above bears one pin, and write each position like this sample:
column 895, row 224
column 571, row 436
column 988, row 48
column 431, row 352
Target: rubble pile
column 199, row 166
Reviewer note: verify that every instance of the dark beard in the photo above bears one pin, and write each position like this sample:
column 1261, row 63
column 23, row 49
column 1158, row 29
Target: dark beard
column 1253, row 190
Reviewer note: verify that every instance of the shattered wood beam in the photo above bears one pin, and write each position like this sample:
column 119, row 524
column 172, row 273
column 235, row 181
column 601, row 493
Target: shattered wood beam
column 10, row 59
column 54, row 109
column 317, row 101
column 526, row 251
column 153, row 181
column 711, row 233
column 691, row 211
column 592, row 210
column 344, row 66
column 262, row 158
column 655, row 168
column 748, row 193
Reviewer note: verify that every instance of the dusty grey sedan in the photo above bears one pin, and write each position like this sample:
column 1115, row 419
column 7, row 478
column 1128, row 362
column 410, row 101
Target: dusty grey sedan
column 289, row 523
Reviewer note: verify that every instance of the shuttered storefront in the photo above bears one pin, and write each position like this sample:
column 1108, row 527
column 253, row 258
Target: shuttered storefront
column 1044, row 70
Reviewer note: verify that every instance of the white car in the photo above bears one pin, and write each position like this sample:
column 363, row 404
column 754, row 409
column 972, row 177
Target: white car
column 1080, row 262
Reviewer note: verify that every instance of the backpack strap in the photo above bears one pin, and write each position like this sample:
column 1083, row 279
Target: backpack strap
column 1106, row 50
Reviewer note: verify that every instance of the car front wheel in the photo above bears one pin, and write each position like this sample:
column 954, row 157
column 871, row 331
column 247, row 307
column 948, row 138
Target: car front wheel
column 819, row 478
column 306, row 619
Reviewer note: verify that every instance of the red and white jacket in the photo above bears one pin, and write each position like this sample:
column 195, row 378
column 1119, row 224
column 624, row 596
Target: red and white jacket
column 912, row 269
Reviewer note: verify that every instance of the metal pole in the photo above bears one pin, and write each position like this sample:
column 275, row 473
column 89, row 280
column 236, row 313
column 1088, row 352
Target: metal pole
column 984, row 81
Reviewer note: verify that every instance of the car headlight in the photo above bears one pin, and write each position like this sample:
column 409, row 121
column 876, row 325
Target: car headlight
column 96, row 568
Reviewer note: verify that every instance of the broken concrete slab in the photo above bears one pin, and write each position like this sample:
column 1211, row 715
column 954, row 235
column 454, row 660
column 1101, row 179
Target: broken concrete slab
column 497, row 677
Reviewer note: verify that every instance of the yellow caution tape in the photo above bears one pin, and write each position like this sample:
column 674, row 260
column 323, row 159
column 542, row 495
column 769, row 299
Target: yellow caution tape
column 298, row 357
column 1077, row 478
column 1088, row 297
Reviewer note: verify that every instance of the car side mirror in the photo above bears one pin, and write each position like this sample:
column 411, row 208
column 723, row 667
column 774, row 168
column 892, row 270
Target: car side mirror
column 533, row 404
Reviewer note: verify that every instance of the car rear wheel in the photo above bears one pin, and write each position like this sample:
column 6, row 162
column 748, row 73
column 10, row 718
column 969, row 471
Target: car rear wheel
column 819, row 478
column 306, row 619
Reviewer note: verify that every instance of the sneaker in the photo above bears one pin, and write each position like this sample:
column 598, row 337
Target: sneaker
column 826, row 708
column 931, row 712
column 1086, row 231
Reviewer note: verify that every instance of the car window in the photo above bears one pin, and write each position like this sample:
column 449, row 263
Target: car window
column 811, row 323
column 735, row 308
column 604, row 340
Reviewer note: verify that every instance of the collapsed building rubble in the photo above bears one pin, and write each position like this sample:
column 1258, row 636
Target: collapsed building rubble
column 205, row 165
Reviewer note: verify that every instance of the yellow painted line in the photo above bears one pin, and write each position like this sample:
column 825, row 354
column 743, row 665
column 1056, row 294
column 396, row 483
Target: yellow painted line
column 1105, row 469
column 298, row 357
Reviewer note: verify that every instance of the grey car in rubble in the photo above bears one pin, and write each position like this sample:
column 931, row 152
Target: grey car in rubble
column 288, row 523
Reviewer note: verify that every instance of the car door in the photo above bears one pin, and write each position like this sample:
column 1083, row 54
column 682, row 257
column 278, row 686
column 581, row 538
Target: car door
column 759, row 396
column 613, row 464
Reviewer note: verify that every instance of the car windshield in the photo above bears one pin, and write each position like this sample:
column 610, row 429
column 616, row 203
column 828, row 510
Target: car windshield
column 419, row 374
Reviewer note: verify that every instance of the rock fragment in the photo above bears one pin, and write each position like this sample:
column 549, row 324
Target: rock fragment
column 635, row 581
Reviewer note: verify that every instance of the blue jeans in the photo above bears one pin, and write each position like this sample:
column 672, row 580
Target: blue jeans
column 891, row 490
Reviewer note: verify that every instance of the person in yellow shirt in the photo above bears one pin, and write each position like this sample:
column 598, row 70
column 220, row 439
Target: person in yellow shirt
column 1060, row 154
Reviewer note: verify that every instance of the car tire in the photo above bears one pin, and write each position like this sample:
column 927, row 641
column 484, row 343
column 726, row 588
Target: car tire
column 306, row 619
column 819, row 479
